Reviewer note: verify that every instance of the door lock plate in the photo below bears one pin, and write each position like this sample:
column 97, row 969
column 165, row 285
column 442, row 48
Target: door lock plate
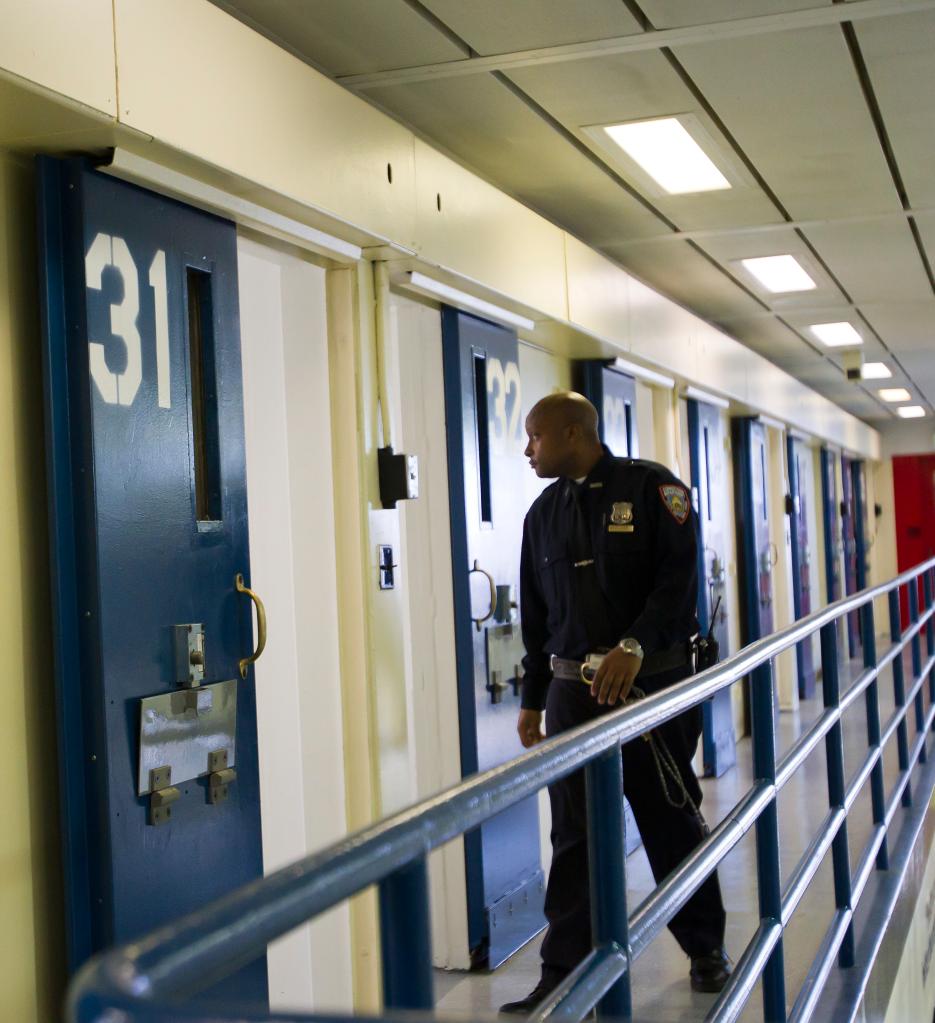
column 189, row 655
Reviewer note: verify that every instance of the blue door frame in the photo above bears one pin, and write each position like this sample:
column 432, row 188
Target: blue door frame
column 832, row 523
column 712, row 506
column 849, row 528
column 798, row 458
column 148, row 524
column 485, row 439
column 613, row 394
column 751, row 482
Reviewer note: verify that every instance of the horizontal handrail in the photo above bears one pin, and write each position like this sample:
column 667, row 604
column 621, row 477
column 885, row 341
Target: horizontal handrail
column 190, row 954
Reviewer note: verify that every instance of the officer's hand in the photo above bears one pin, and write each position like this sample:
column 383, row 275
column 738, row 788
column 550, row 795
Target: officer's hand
column 529, row 727
column 615, row 676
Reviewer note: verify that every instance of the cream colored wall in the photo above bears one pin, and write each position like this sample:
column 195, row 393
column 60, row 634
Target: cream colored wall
column 32, row 963
column 288, row 133
column 287, row 417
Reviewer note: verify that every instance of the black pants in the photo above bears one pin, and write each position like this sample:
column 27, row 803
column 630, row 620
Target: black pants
column 669, row 834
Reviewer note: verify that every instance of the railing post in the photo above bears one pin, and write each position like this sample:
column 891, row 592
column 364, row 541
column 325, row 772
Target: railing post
column 916, row 647
column 834, row 756
column 405, row 938
column 929, row 631
column 872, row 700
column 767, row 837
column 899, row 695
column 607, row 862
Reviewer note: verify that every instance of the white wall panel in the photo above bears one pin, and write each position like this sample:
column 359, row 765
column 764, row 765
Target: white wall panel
column 63, row 45
column 484, row 235
column 237, row 101
column 291, row 512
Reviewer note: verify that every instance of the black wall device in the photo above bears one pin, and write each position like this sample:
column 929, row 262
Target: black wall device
column 399, row 477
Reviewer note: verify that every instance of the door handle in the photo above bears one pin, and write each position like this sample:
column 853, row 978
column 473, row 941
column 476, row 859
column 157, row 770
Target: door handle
column 493, row 594
column 245, row 662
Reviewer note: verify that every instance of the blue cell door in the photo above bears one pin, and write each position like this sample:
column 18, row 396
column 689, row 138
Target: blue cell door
column 712, row 505
column 849, row 536
column 799, row 459
column 832, row 526
column 613, row 394
column 486, row 439
column 752, row 510
column 148, row 519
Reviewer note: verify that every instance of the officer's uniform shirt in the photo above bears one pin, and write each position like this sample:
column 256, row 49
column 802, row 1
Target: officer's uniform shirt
column 643, row 539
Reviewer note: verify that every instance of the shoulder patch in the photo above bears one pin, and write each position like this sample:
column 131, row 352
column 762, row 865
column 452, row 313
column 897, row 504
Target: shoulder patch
column 675, row 498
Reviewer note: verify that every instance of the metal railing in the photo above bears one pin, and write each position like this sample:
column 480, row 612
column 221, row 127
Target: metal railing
column 148, row 980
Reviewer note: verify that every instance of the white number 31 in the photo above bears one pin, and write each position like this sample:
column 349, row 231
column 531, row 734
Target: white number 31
column 121, row 388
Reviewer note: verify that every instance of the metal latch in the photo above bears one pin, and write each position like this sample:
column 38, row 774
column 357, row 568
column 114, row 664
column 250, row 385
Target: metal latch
column 220, row 776
column 495, row 686
column 189, row 655
column 162, row 795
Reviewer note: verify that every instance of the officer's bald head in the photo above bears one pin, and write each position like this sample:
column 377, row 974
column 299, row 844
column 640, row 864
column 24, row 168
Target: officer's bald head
column 563, row 437
column 564, row 409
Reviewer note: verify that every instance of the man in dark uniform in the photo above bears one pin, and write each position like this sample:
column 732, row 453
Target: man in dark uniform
column 609, row 565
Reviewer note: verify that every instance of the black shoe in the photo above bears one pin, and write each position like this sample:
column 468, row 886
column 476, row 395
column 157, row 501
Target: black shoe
column 710, row 972
column 548, row 982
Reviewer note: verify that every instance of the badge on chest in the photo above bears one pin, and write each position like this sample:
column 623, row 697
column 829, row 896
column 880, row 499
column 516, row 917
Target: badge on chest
column 621, row 517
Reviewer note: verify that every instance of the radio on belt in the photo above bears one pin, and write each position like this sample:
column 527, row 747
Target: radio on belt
column 399, row 477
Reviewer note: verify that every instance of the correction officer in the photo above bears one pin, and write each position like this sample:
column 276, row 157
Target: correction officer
column 609, row 565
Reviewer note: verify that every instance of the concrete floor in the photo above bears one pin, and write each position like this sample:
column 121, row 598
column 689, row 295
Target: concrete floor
column 661, row 993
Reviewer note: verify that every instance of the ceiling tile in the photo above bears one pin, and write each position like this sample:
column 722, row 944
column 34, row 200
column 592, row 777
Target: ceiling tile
column 898, row 54
column 875, row 261
column 630, row 88
column 905, row 328
column 730, row 249
column 492, row 26
column 793, row 102
column 921, row 368
column 677, row 13
column 329, row 33
column 685, row 276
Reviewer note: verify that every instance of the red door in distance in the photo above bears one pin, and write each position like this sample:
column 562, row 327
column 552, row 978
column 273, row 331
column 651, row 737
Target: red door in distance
column 914, row 494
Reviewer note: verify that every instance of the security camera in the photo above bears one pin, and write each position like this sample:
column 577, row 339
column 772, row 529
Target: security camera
column 853, row 362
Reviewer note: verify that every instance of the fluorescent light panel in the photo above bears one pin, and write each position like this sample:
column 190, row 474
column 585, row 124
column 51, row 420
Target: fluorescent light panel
column 666, row 151
column 779, row 273
column 911, row 411
column 649, row 375
column 836, row 335
column 894, row 394
column 875, row 371
column 711, row 399
column 453, row 296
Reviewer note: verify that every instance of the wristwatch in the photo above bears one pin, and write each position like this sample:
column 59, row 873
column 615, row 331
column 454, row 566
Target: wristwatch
column 631, row 646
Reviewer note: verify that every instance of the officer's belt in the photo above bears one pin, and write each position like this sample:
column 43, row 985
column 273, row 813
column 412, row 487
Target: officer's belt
column 653, row 664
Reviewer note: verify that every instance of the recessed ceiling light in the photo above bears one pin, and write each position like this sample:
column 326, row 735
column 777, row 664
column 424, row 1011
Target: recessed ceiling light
column 894, row 394
column 666, row 151
column 836, row 335
column 875, row 371
column 779, row 273
column 911, row 411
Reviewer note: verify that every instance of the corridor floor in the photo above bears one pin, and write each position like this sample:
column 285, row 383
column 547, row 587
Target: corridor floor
column 661, row 992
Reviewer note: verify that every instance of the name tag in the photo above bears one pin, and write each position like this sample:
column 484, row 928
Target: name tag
column 619, row 529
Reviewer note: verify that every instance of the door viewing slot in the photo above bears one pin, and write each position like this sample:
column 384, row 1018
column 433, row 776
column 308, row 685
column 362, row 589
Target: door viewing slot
column 483, row 435
column 203, row 396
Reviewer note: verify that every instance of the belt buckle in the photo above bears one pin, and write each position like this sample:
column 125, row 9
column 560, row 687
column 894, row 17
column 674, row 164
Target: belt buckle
column 589, row 667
